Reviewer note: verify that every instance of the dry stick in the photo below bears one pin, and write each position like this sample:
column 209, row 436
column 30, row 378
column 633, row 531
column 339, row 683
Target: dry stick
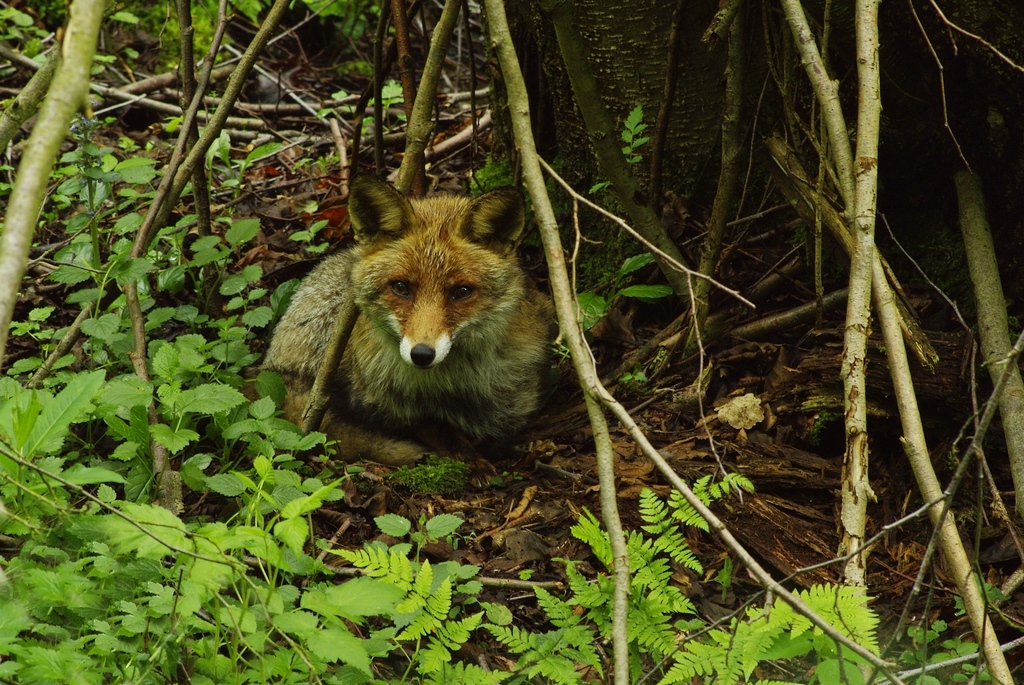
column 318, row 395
column 992, row 325
column 342, row 147
column 519, row 111
column 419, row 122
column 641, row 239
column 719, row 25
column 25, row 105
column 667, row 100
column 584, row 363
column 606, row 143
column 174, row 110
column 67, row 94
column 764, row 328
column 472, row 78
column 463, row 137
column 62, row 348
column 378, row 98
column 406, row 71
column 725, row 197
column 856, row 488
column 188, row 92
column 802, row 195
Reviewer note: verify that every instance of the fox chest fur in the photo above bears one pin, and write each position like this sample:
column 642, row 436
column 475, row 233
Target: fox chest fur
column 450, row 333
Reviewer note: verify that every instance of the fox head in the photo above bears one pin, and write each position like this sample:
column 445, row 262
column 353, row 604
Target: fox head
column 436, row 269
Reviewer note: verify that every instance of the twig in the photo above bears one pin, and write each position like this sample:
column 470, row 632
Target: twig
column 667, row 100
column 173, row 110
column 723, row 18
column 942, row 82
column 1009, row 62
column 67, row 93
column 62, row 348
column 781, row 321
column 419, row 122
column 378, row 84
column 460, row 139
column 25, row 105
column 318, row 395
column 670, row 262
column 605, row 141
column 406, row 74
column 343, row 170
column 728, row 177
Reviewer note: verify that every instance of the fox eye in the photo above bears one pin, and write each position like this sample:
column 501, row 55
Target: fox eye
column 401, row 288
column 461, row 292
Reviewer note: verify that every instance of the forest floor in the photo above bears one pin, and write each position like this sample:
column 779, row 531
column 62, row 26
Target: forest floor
column 518, row 518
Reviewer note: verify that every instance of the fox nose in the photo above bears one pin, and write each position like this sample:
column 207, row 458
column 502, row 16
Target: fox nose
column 422, row 355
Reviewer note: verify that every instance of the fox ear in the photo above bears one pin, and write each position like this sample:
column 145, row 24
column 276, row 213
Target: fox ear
column 377, row 210
column 496, row 218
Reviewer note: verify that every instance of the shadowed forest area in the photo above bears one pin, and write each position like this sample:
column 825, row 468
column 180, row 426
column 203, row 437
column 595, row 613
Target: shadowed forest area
column 782, row 436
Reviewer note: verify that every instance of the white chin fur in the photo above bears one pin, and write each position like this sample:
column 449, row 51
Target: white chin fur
column 442, row 346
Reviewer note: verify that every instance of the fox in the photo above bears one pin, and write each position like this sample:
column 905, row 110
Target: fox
column 452, row 342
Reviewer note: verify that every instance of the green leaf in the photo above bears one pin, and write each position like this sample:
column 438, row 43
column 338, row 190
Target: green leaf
column 443, row 525
column 128, row 391
column 83, row 475
column 173, row 440
column 635, row 263
column 301, row 624
column 165, row 362
column 394, row 525
column 270, row 384
column 126, row 451
column 128, row 223
column 258, row 318
column 292, row 532
column 132, row 270
column 262, row 408
column 52, row 426
column 211, row 398
column 334, row 645
column 136, row 170
column 633, row 120
column 592, row 308
column 104, row 328
column 646, row 293
column 242, row 230
column 192, row 471
column 128, row 18
column 227, row 484
column 236, row 283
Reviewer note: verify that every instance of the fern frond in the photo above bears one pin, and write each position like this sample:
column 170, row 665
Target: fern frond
column 422, row 625
column 588, row 530
column 439, row 603
column 516, row 639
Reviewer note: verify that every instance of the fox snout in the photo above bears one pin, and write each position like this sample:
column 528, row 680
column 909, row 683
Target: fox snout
column 425, row 354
